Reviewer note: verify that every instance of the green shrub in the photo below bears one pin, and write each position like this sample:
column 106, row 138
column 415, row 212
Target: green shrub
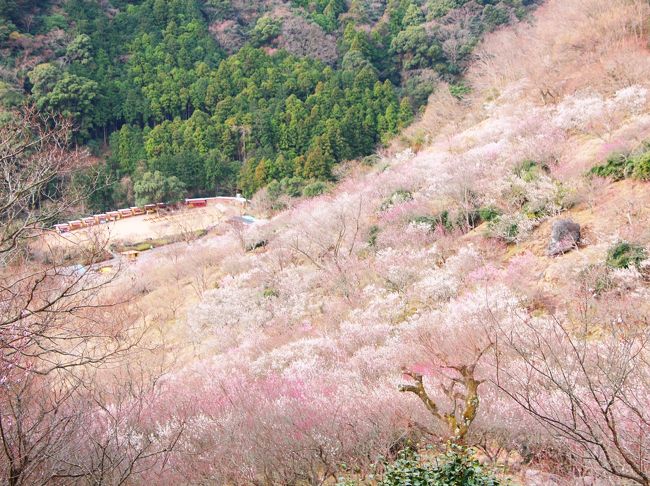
column 641, row 167
column 440, row 219
column 270, row 292
column 457, row 466
column 292, row 186
column 373, row 232
column 488, row 213
column 529, row 170
column 494, row 16
column 624, row 255
column 54, row 21
column 274, row 190
column 462, row 220
column 314, row 189
column 459, row 90
column 617, row 167
column 266, row 29
column 621, row 166
column 440, row 8
column 156, row 187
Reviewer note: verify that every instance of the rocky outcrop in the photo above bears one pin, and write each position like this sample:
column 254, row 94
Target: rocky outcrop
column 565, row 236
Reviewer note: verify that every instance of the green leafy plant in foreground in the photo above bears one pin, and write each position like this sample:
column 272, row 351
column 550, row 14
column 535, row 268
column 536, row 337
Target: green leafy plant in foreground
column 456, row 466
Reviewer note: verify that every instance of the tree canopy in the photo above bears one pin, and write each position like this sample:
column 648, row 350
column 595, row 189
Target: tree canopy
column 224, row 96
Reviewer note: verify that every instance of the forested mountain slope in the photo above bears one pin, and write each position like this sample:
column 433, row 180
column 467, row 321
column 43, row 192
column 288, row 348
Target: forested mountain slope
column 227, row 94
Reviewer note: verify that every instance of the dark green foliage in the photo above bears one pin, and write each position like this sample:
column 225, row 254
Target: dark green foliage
column 150, row 80
column 314, row 189
column 219, row 9
column 154, row 187
column 323, row 12
column 617, row 167
column 621, row 166
column 457, row 466
column 641, row 168
column 529, row 170
column 625, row 255
column 440, row 8
column 494, row 16
column 292, row 186
column 488, row 213
column 54, row 21
column 459, row 90
column 266, row 29
column 416, row 48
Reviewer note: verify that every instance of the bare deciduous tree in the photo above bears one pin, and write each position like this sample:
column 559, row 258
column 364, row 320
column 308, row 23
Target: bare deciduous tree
column 59, row 322
column 589, row 386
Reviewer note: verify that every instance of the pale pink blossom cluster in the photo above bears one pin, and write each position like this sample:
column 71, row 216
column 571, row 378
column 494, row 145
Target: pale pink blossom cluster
column 304, row 326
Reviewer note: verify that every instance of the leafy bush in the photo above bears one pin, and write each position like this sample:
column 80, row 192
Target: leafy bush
column 622, row 166
column 266, row 29
column 274, row 190
column 624, row 255
column 54, row 21
column 292, row 186
column 270, row 292
column 144, row 247
column 454, row 467
column 488, row 213
column 617, row 167
column 641, row 167
column 441, row 219
column 314, row 189
column 459, row 90
column 440, row 8
column 529, row 170
column 155, row 187
column 494, row 16
column 463, row 220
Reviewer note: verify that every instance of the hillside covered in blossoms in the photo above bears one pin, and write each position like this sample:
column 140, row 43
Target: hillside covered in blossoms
column 468, row 305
